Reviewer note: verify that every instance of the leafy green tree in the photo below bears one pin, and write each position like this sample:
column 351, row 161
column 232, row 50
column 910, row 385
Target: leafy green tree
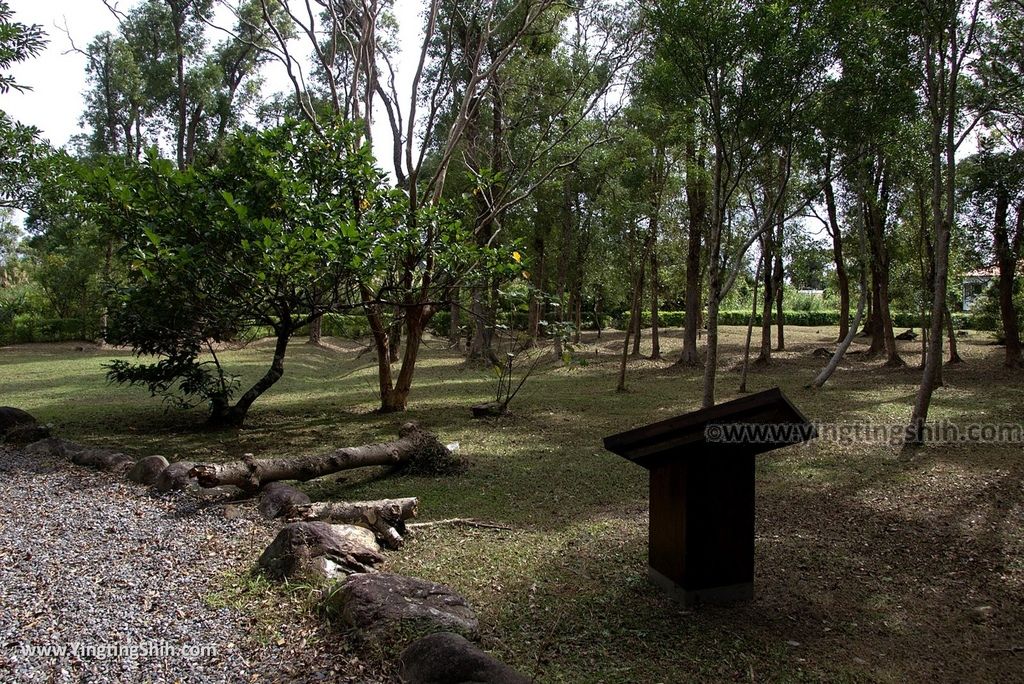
column 749, row 68
column 19, row 143
column 994, row 187
column 273, row 235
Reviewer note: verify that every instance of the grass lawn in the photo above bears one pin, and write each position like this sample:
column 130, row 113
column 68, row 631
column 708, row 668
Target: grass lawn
column 870, row 567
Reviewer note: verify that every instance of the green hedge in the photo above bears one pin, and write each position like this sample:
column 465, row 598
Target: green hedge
column 968, row 320
column 26, row 328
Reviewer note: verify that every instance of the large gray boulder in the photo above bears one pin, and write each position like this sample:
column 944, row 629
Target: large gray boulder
column 279, row 500
column 148, row 470
column 104, row 459
column 382, row 604
column 26, row 433
column 175, row 477
column 11, row 418
column 448, row 658
column 319, row 550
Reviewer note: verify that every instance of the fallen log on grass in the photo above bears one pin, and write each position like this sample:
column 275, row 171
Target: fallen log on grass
column 386, row 518
column 414, row 445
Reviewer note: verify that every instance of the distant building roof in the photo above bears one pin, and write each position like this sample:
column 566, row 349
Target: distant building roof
column 990, row 272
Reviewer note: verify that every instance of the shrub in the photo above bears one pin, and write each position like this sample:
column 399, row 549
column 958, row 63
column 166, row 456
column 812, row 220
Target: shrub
column 28, row 328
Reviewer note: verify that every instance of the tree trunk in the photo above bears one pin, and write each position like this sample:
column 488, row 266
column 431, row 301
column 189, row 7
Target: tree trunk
column 250, row 473
column 655, row 324
column 942, row 106
column 1008, row 254
column 778, row 285
column 876, row 203
column 636, row 318
column 315, row 330
column 416, row 319
column 767, row 250
column 224, row 416
column 842, row 278
column 954, row 353
column 386, row 518
column 750, row 327
column 454, row 330
column 844, row 345
column 696, row 201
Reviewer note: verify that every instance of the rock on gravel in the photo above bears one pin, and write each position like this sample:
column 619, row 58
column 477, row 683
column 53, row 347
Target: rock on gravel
column 11, row 417
column 148, row 469
column 448, row 658
column 379, row 604
column 103, row 582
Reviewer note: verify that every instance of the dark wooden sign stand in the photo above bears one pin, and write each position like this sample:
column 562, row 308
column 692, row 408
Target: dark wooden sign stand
column 702, row 491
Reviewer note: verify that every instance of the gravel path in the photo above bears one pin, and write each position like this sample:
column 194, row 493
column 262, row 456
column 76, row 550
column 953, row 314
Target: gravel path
column 121, row 580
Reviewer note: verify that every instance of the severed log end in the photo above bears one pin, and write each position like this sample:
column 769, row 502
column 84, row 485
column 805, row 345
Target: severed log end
column 430, row 457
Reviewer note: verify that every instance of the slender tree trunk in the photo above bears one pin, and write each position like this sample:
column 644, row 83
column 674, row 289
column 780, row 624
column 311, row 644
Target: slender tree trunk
column 778, row 272
column 223, row 416
column 942, row 103
column 397, row 398
column 714, row 273
column 315, row 330
column 844, row 345
column 779, row 284
column 767, row 249
column 536, row 301
column 636, row 319
column 655, row 324
column 1008, row 254
column 954, row 352
column 750, row 327
column 454, row 329
column 578, row 316
column 842, row 278
column 696, row 201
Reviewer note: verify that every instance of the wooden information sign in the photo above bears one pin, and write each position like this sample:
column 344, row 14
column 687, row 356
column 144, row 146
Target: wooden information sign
column 702, row 491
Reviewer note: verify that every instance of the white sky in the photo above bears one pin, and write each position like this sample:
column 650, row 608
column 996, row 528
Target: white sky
column 57, row 76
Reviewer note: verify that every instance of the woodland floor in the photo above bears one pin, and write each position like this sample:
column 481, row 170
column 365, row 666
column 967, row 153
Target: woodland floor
column 870, row 566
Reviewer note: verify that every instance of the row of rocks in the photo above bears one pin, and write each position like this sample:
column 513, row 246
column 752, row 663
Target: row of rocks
column 383, row 609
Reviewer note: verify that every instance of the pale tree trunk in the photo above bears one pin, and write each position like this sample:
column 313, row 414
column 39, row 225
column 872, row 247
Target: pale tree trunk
column 943, row 57
column 315, row 331
column 954, row 352
column 714, row 278
column 779, row 284
column 696, row 201
column 655, row 323
column 750, row 327
column 767, row 247
column 778, row 272
column 851, row 331
column 385, row 518
column 454, row 331
column 842, row 278
column 636, row 319
column 251, row 473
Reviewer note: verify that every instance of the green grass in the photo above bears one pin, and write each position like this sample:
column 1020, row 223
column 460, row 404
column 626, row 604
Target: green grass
column 868, row 565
